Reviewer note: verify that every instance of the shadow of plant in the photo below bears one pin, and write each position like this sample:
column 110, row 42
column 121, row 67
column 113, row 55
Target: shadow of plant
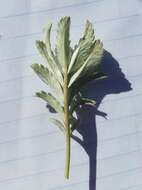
column 114, row 84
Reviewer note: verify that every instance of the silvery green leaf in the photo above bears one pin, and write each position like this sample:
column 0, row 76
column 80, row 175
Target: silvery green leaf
column 46, row 40
column 43, row 51
column 85, row 44
column 49, row 60
column 76, row 75
column 94, row 54
column 58, row 123
column 46, row 76
column 63, row 42
column 94, row 59
column 73, row 59
column 52, row 101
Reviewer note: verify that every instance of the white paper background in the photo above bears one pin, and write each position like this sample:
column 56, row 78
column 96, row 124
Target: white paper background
column 31, row 150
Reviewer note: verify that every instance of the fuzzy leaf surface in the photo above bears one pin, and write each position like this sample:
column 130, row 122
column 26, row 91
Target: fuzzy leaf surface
column 63, row 43
column 52, row 101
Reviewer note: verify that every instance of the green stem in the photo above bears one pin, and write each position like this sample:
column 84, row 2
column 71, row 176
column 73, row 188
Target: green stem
column 66, row 109
column 67, row 168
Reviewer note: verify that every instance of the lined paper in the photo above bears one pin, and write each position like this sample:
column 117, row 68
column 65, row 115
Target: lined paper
column 31, row 149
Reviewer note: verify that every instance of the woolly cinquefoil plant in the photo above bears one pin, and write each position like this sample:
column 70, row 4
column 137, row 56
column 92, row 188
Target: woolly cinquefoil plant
column 66, row 71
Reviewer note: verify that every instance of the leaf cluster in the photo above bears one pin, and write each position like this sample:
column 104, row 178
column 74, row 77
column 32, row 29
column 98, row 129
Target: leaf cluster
column 68, row 68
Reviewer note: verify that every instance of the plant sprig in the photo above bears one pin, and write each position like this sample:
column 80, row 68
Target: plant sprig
column 67, row 70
